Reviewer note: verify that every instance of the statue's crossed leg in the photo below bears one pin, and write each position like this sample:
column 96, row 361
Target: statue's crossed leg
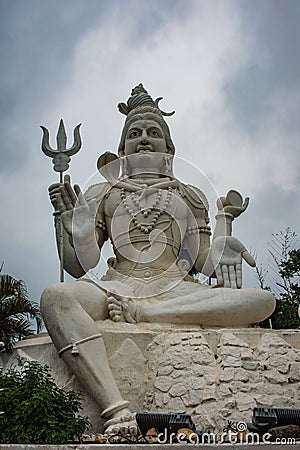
column 70, row 311
column 195, row 305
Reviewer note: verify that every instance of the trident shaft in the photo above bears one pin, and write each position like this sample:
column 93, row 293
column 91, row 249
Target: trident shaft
column 61, row 158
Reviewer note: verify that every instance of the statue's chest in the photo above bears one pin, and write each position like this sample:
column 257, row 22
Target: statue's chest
column 146, row 204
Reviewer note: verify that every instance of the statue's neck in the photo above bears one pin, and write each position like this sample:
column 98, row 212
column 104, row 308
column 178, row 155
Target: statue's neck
column 148, row 178
column 135, row 184
column 136, row 173
column 145, row 176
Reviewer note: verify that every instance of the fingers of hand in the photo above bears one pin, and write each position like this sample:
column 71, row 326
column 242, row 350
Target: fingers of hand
column 232, row 277
column 69, row 190
column 238, row 270
column 225, row 275
column 61, row 207
column 93, row 208
column 71, row 193
column 65, row 197
column 219, row 275
column 81, row 200
column 77, row 189
column 248, row 258
column 53, row 190
column 54, row 187
column 67, row 179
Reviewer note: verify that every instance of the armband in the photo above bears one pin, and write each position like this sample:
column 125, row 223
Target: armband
column 101, row 225
column 194, row 229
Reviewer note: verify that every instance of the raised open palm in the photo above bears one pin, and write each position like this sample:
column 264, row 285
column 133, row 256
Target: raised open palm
column 78, row 216
column 227, row 254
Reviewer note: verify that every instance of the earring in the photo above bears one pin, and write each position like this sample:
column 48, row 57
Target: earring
column 124, row 167
column 167, row 166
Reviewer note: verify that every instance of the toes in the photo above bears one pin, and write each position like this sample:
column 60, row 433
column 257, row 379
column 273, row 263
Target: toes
column 114, row 312
column 133, row 430
column 113, row 301
column 123, row 429
column 122, row 426
column 113, row 429
column 116, row 318
column 113, row 307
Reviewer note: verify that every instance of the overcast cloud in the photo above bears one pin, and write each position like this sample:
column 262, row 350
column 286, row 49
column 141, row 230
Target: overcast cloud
column 230, row 69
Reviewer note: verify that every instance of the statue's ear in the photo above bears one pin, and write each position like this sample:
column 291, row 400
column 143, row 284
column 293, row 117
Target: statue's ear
column 170, row 150
column 108, row 165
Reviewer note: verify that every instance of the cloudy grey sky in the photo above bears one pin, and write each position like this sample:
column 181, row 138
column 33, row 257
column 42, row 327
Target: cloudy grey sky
column 230, row 69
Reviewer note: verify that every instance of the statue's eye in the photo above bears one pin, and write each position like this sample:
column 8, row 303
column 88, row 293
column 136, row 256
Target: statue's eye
column 154, row 133
column 133, row 134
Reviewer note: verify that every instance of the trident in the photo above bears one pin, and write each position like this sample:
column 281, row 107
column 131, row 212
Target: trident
column 61, row 159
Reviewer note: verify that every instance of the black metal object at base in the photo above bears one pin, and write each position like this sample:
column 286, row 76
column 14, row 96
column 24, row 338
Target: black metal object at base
column 164, row 423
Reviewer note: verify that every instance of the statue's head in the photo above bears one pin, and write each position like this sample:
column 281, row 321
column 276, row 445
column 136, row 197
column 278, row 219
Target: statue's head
column 141, row 107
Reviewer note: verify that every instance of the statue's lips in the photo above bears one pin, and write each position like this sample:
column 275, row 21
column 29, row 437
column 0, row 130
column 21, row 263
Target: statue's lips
column 144, row 149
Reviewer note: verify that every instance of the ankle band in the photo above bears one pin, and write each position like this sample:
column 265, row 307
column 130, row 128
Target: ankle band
column 74, row 344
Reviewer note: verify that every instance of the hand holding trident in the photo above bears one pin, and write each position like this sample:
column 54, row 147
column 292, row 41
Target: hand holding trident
column 61, row 158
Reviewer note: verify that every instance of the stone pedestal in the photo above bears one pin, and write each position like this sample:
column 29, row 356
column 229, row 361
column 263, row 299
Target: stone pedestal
column 215, row 375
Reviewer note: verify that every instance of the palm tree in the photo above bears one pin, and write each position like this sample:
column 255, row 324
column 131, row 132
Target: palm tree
column 16, row 312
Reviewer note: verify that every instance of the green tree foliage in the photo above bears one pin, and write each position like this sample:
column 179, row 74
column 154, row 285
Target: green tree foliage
column 16, row 311
column 36, row 411
column 284, row 280
column 286, row 313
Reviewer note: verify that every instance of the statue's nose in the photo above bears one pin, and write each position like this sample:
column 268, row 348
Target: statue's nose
column 144, row 139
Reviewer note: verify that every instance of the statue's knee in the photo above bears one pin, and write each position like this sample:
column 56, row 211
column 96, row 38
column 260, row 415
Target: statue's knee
column 52, row 297
column 265, row 300
column 270, row 301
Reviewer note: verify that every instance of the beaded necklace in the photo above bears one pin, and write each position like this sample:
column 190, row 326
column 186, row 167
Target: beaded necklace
column 146, row 228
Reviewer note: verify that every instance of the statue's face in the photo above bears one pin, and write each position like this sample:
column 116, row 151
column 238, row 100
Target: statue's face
column 145, row 137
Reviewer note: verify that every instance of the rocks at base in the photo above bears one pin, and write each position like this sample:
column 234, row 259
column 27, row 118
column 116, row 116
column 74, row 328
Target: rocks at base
column 215, row 375
column 214, row 387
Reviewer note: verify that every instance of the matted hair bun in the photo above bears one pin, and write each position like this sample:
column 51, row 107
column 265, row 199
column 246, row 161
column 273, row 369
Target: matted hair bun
column 140, row 97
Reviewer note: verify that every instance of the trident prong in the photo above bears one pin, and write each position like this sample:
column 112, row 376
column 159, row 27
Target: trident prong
column 61, row 155
column 61, row 158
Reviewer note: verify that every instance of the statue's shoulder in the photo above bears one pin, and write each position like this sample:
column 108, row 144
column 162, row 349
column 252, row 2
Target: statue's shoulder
column 97, row 191
column 194, row 196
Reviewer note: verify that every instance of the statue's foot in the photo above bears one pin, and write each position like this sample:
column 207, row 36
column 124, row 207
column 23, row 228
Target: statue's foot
column 121, row 310
column 123, row 422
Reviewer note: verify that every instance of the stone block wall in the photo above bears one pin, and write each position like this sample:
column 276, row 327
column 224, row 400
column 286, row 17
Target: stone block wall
column 186, row 374
column 215, row 375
